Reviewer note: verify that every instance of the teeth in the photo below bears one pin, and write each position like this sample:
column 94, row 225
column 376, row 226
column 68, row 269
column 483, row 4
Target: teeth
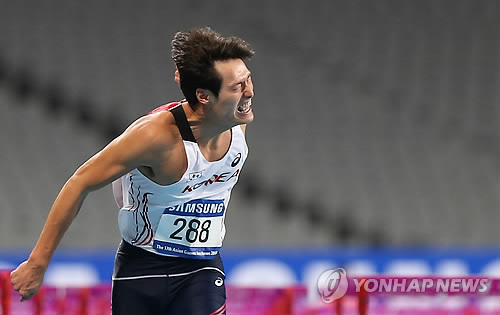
column 245, row 106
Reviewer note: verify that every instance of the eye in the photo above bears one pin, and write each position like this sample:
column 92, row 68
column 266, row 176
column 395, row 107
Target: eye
column 237, row 87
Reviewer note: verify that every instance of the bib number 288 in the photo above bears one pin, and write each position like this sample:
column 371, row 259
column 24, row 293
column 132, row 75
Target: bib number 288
column 196, row 230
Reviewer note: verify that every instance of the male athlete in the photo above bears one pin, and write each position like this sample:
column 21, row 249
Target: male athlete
column 172, row 173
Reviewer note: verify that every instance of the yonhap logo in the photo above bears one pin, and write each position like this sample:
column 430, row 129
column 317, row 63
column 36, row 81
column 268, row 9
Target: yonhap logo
column 332, row 284
column 236, row 160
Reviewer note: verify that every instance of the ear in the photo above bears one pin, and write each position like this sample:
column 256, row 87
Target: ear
column 203, row 96
column 177, row 76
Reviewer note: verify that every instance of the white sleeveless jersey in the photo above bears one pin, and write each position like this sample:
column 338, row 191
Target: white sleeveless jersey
column 184, row 219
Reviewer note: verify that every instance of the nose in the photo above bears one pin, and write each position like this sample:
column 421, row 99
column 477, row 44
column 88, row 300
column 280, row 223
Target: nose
column 249, row 93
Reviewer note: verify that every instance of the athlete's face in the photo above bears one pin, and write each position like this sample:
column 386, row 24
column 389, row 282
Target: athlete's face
column 234, row 103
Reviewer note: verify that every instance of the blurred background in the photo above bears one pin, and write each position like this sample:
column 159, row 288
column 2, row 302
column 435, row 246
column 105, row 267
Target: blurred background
column 376, row 135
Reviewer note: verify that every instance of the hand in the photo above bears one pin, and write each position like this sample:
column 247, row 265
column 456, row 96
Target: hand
column 27, row 279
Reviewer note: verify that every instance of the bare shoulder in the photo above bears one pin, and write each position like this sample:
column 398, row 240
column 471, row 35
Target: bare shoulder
column 154, row 131
column 145, row 140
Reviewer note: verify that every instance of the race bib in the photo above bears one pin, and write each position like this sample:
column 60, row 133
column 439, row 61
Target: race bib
column 191, row 230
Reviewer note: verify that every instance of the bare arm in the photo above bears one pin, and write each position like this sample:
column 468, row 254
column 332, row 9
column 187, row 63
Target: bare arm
column 137, row 146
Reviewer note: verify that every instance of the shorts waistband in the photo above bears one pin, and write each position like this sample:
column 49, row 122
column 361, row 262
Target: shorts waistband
column 132, row 251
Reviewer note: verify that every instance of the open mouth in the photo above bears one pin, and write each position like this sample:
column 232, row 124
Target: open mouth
column 246, row 107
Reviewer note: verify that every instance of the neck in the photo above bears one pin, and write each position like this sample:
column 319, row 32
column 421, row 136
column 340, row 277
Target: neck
column 205, row 129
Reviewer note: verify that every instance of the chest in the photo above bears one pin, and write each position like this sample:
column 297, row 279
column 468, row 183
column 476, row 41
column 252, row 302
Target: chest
column 194, row 163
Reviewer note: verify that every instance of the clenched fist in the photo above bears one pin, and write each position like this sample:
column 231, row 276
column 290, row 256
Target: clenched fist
column 27, row 279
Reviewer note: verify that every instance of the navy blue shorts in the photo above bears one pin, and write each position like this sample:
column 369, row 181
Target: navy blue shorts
column 145, row 283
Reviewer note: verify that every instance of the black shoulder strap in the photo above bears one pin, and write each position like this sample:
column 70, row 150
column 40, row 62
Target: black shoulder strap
column 182, row 123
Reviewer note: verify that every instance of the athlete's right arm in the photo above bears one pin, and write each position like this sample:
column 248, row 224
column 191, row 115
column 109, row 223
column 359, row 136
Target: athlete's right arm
column 137, row 146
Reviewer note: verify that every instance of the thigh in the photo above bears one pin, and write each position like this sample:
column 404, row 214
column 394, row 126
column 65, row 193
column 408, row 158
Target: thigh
column 200, row 293
column 139, row 296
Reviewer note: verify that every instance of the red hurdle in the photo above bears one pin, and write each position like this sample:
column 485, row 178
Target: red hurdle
column 6, row 293
column 296, row 300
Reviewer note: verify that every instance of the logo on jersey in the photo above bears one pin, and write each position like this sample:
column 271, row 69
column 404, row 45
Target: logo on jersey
column 195, row 175
column 198, row 208
column 216, row 178
column 236, row 160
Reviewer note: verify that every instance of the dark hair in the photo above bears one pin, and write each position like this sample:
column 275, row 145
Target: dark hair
column 195, row 52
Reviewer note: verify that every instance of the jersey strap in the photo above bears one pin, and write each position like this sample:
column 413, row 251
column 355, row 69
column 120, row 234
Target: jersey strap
column 182, row 123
